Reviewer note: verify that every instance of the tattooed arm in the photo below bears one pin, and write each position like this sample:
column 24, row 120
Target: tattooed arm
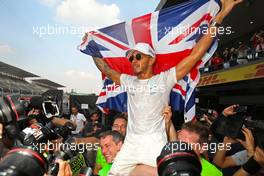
column 104, row 67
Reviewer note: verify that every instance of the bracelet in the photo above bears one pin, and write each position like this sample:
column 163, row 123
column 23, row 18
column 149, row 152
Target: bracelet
column 251, row 166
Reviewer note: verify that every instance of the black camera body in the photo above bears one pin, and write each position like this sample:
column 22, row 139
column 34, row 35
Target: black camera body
column 231, row 126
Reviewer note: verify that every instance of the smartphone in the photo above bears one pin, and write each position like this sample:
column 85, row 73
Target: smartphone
column 241, row 109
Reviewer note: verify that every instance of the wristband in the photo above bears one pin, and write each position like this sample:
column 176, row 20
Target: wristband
column 251, row 166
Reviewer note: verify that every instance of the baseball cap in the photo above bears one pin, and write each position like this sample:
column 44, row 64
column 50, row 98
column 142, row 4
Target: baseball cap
column 144, row 48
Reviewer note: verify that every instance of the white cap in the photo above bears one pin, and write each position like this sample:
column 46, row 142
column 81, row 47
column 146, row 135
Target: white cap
column 144, row 48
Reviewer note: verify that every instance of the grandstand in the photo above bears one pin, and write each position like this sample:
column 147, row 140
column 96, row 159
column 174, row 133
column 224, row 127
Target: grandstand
column 13, row 81
column 47, row 84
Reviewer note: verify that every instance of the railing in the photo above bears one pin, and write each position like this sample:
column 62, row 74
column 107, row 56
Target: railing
column 234, row 62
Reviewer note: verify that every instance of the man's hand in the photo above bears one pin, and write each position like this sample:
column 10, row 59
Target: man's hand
column 167, row 114
column 230, row 110
column 228, row 140
column 259, row 156
column 227, row 6
column 249, row 143
column 64, row 168
column 85, row 37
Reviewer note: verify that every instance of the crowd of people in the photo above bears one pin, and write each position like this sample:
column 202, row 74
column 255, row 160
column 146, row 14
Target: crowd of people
column 238, row 156
column 242, row 54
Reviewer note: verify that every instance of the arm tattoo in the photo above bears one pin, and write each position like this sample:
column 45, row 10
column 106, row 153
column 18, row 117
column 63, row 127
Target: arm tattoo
column 101, row 65
column 104, row 67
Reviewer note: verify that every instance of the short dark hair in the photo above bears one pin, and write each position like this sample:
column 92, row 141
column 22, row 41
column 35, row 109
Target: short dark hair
column 120, row 116
column 75, row 107
column 197, row 128
column 117, row 137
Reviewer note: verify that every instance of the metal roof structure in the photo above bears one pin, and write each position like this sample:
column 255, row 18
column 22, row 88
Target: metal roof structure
column 47, row 83
column 14, row 71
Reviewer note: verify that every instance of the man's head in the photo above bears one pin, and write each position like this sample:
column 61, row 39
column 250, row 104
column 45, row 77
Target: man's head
column 194, row 133
column 74, row 110
column 120, row 124
column 111, row 143
column 95, row 116
column 142, row 58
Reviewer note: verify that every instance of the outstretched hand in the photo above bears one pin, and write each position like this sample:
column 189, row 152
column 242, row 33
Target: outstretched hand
column 230, row 110
column 227, row 6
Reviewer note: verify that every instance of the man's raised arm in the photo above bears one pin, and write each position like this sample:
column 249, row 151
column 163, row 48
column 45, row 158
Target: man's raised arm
column 104, row 67
column 199, row 50
column 109, row 72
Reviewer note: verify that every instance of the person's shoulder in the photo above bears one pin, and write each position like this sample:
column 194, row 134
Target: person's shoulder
column 80, row 115
column 210, row 169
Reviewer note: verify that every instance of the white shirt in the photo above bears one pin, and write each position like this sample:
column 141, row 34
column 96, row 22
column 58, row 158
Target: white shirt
column 146, row 100
column 79, row 120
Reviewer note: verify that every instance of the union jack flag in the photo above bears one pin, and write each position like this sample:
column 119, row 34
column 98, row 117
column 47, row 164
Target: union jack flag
column 172, row 32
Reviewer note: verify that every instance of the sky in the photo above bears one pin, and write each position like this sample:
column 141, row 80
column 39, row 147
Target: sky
column 41, row 36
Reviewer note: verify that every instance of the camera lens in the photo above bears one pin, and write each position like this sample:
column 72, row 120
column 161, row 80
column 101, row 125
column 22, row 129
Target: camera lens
column 23, row 162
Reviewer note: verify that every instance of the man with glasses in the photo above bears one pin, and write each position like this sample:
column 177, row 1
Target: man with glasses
column 147, row 95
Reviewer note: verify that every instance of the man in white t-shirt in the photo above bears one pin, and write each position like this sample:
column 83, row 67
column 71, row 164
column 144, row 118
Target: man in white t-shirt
column 78, row 119
column 147, row 95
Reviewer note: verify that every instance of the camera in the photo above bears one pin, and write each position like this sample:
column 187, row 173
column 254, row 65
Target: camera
column 11, row 110
column 178, row 159
column 231, row 126
column 23, row 161
column 50, row 109
column 27, row 158
column 241, row 109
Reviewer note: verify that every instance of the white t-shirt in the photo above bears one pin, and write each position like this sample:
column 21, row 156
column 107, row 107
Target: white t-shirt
column 146, row 100
column 79, row 120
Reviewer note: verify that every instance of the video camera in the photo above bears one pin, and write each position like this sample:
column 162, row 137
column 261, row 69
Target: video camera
column 231, row 126
column 28, row 160
column 200, row 112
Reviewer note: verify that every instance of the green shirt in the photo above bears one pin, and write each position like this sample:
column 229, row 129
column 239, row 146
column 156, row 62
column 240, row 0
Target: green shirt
column 209, row 169
column 100, row 160
column 104, row 171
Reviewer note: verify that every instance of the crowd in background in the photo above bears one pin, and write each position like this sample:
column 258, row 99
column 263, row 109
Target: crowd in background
column 243, row 54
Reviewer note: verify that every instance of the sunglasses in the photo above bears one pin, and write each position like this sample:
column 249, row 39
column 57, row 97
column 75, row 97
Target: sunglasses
column 138, row 57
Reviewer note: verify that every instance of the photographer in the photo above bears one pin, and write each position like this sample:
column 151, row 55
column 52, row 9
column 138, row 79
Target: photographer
column 234, row 128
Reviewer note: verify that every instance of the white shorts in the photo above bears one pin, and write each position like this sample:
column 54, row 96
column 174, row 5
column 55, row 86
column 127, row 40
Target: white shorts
column 138, row 149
